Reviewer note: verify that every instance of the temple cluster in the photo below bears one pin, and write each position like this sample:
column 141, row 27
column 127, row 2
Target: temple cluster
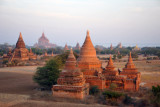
column 87, row 71
column 81, row 74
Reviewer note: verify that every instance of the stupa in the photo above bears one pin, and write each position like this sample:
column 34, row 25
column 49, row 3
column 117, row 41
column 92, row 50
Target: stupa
column 71, row 83
column 136, row 48
column 45, row 53
column 119, row 45
column 132, row 74
column 111, row 47
column 112, row 76
column 110, row 69
column 52, row 54
column 31, row 55
column 66, row 48
column 9, row 54
column 90, row 65
column 88, row 60
column 77, row 47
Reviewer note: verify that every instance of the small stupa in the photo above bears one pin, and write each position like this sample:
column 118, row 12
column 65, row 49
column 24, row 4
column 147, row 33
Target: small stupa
column 111, row 47
column 71, row 83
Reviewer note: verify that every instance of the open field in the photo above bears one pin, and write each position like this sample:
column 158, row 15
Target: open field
column 17, row 86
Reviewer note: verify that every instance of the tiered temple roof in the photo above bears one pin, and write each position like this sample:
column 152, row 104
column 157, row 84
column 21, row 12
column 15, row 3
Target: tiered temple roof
column 71, row 61
column 110, row 69
column 71, row 82
column 130, row 65
column 20, row 43
column 88, row 58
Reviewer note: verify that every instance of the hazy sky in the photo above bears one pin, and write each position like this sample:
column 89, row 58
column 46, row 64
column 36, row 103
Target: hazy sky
column 66, row 21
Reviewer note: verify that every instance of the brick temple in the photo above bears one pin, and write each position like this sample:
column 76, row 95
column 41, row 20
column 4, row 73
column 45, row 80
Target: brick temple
column 71, row 83
column 72, row 80
column 21, row 52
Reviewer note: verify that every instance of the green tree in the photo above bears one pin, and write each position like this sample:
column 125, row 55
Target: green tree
column 47, row 76
column 94, row 90
column 119, row 56
column 114, row 57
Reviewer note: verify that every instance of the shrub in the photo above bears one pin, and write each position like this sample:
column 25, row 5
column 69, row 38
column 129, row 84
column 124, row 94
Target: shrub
column 127, row 100
column 113, row 86
column 119, row 56
column 47, row 76
column 94, row 90
column 114, row 57
column 156, row 93
column 5, row 61
column 149, row 58
column 156, row 90
column 112, row 95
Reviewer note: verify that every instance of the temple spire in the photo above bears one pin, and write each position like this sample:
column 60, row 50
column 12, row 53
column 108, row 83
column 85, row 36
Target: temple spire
column 110, row 65
column 20, row 43
column 71, row 61
column 52, row 53
column 88, row 33
column 30, row 50
column 130, row 62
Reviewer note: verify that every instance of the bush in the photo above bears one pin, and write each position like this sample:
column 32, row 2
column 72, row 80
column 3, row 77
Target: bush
column 112, row 95
column 119, row 56
column 5, row 61
column 94, row 90
column 156, row 90
column 47, row 76
column 113, row 86
column 128, row 100
column 149, row 58
column 156, row 93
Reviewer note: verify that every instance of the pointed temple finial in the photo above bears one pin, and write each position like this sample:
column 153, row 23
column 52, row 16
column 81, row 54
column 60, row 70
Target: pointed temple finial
column 88, row 33
column 110, row 65
column 20, row 35
column 130, row 62
column 130, row 57
column 71, row 61
column 71, row 51
column 43, row 34
column 30, row 50
column 52, row 53
column 20, row 43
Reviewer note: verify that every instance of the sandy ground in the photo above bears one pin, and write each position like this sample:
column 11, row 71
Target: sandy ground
column 16, row 84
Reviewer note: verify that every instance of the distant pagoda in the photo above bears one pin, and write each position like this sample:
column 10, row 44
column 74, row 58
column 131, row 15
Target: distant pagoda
column 43, row 42
column 111, row 47
column 71, row 83
column 66, row 48
column 136, row 48
column 77, row 47
column 119, row 45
